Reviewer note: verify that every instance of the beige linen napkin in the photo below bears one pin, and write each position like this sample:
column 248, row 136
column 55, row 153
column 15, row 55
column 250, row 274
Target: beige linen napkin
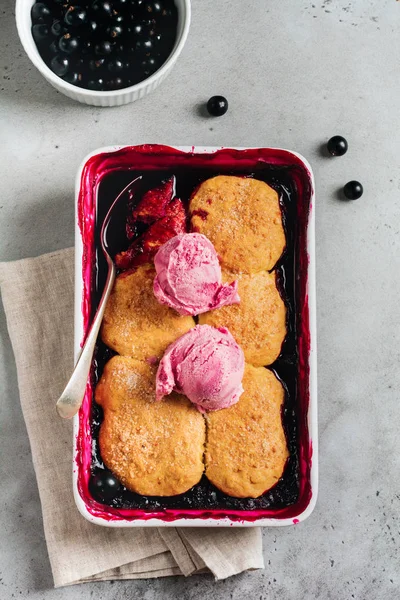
column 38, row 301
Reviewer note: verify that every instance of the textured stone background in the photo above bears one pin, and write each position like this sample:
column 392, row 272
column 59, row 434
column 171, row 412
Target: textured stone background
column 295, row 73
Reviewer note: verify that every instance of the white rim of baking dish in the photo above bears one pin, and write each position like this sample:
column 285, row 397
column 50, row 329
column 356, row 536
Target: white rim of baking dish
column 312, row 416
column 24, row 24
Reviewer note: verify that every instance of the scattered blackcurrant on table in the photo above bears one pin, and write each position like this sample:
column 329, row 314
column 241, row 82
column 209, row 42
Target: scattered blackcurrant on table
column 353, row 190
column 217, row 106
column 337, row 145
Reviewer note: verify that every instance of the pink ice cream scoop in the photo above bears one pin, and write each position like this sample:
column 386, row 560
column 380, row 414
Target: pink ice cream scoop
column 189, row 276
column 206, row 365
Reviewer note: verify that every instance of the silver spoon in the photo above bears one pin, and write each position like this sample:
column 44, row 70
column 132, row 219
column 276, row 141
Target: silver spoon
column 70, row 400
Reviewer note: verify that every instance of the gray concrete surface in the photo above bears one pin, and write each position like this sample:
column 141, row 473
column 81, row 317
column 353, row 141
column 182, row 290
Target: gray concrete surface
column 295, row 73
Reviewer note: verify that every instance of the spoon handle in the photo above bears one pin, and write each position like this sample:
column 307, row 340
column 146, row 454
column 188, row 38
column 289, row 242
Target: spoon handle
column 71, row 399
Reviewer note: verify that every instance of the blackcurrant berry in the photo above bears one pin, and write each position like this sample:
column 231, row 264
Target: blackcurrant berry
column 117, row 65
column 75, row 16
column 74, row 78
column 68, row 44
column 40, row 33
column 115, row 31
column 144, row 45
column 104, row 486
column 86, row 47
column 102, row 8
column 96, row 84
column 53, row 48
column 40, row 12
column 117, row 18
column 217, row 106
column 353, row 190
column 115, row 84
column 136, row 29
column 96, row 63
column 93, row 26
column 148, row 65
column 59, row 65
column 337, row 145
column 166, row 13
column 103, row 48
column 153, row 8
column 57, row 28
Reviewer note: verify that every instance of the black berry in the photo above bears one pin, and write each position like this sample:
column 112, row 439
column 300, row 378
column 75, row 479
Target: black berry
column 144, row 45
column 353, row 190
column 73, row 77
column 115, row 31
column 96, row 83
column 75, row 16
column 337, row 145
column 166, row 13
column 59, row 65
column 40, row 12
column 153, row 8
column 102, row 9
column 95, row 64
column 217, row 106
column 86, row 47
column 117, row 65
column 117, row 18
column 103, row 48
column 93, row 26
column 115, row 84
column 149, row 65
column 68, row 44
column 53, row 48
column 136, row 29
column 57, row 28
column 79, row 66
column 104, row 486
column 40, row 33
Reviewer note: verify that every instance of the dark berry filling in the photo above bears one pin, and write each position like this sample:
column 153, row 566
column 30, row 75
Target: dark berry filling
column 135, row 38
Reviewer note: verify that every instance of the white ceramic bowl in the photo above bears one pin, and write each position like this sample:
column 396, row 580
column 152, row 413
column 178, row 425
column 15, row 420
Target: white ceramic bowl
column 115, row 97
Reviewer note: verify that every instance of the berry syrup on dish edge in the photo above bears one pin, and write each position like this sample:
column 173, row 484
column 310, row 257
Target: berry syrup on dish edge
column 205, row 496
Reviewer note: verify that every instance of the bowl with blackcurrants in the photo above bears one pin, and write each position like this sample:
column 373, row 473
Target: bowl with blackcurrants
column 103, row 52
